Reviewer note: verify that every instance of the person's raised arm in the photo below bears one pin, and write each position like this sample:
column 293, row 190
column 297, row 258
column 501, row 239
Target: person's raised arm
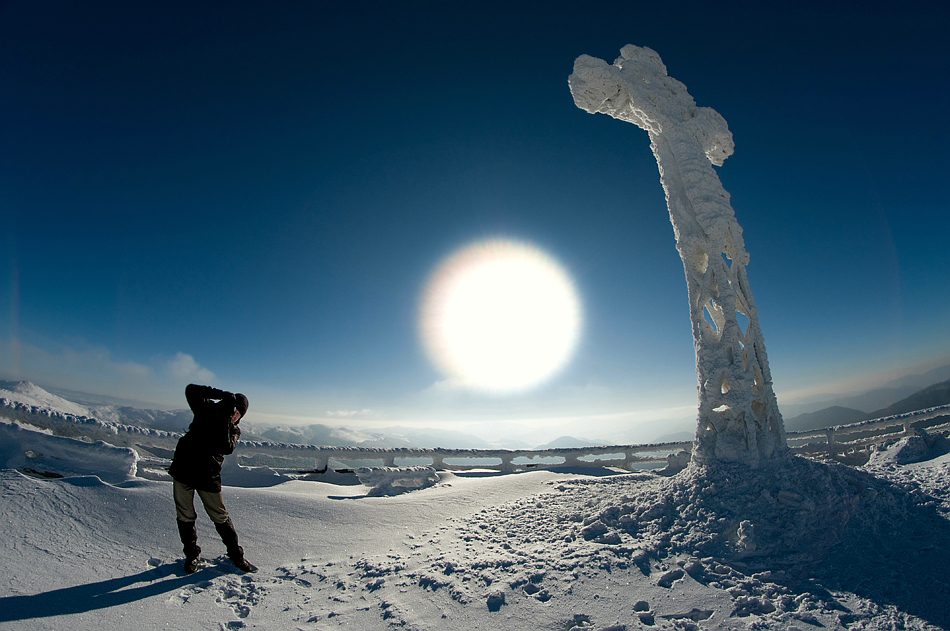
column 198, row 396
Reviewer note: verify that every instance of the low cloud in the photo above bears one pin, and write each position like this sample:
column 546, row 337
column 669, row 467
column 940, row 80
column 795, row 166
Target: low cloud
column 449, row 387
column 184, row 369
column 75, row 364
column 352, row 413
column 78, row 363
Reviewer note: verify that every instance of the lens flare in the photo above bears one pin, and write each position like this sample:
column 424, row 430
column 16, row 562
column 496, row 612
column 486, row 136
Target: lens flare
column 500, row 316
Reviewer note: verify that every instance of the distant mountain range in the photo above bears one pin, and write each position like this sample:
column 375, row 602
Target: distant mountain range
column 931, row 396
column 567, row 442
column 828, row 417
column 870, row 400
column 387, row 437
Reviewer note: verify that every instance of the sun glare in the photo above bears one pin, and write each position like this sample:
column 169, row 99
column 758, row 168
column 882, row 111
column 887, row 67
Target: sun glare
column 500, row 316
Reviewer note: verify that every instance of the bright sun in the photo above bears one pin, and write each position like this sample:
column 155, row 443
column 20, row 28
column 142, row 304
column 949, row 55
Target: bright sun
column 500, row 316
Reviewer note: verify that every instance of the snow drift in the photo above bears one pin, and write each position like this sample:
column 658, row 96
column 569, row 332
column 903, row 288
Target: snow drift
column 55, row 456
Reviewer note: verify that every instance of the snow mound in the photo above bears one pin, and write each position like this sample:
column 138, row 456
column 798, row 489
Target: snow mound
column 233, row 474
column 39, row 453
column 773, row 543
column 29, row 394
column 917, row 448
column 396, row 480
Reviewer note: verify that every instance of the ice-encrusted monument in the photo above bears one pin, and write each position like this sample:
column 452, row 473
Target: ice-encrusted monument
column 738, row 418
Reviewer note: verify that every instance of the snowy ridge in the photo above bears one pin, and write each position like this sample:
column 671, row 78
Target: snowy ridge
column 30, row 394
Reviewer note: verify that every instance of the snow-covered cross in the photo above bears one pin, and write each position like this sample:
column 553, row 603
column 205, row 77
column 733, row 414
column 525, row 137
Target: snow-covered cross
column 738, row 419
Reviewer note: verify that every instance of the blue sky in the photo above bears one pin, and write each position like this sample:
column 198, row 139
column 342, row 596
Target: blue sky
column 255, row 195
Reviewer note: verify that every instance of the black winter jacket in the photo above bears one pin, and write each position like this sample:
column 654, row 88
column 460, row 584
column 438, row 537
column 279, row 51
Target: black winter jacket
column 200, row 452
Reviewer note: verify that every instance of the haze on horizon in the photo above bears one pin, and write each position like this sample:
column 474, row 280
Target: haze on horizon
column 256, row 198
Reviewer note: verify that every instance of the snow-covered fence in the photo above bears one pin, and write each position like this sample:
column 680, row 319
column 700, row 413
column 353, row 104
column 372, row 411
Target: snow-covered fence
column 624, row 456
column 317, row 457
column 834, row 440
column 860, row 436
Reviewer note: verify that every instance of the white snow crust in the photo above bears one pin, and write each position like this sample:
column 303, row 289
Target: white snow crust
column 917, row 448
column 26, row 448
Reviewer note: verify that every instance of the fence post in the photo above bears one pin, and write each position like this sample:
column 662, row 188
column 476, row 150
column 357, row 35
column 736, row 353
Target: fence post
column 571, row 459
column 830, row 433
column 628, row 460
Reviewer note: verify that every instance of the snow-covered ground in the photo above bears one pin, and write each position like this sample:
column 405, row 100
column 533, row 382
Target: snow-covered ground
column 803, row 545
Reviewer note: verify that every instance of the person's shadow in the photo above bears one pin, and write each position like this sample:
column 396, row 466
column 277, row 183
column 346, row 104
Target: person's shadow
column 101, row 595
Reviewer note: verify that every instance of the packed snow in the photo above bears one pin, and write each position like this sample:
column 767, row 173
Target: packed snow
column 799, row 544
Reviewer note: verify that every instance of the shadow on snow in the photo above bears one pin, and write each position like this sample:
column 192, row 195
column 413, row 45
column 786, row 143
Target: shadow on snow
column 101, row 595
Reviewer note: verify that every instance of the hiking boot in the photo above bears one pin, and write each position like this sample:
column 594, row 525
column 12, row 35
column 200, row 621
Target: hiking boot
column 241, row 563
column 235, row 552
column 191, row 565
column 189, row 541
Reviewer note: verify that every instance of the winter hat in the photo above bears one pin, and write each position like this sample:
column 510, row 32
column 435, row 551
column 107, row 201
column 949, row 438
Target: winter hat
column 240, row 402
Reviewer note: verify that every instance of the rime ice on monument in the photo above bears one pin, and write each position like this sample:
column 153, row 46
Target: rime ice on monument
column 738, row 418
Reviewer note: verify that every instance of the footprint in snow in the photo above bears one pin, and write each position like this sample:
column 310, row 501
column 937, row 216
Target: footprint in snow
column 671, row 577
column 244, row 592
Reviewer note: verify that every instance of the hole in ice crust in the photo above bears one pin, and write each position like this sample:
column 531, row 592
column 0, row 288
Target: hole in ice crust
column 712, row 313
column 743, row 321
